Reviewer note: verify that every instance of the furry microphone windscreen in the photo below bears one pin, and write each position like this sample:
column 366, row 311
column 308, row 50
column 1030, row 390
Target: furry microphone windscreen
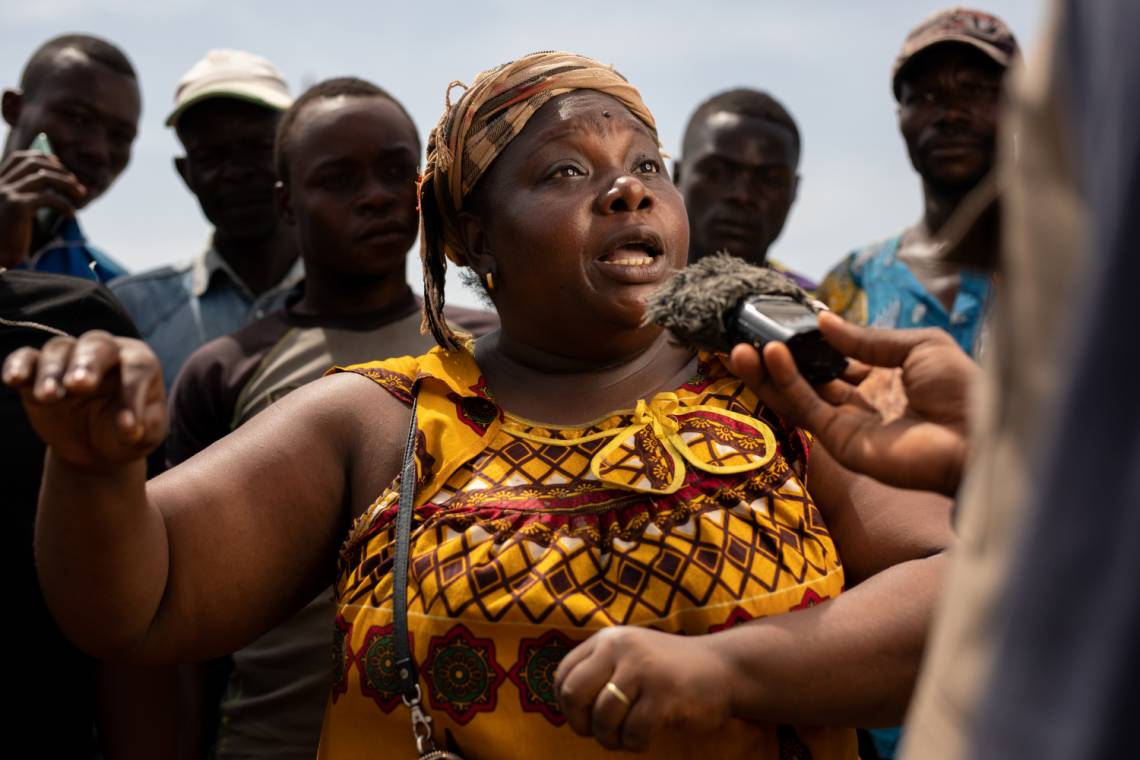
column 694, row 303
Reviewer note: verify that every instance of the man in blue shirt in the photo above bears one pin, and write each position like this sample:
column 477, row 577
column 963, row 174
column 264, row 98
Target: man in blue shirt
column 82, row 93
column 226, row 110
column 947, row 80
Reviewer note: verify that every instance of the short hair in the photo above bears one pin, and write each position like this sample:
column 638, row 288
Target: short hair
column 330, row 88
column 95, row 48
column 745, row 102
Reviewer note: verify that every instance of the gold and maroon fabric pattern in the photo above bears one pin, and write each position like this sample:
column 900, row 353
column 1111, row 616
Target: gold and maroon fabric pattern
column 688, row 513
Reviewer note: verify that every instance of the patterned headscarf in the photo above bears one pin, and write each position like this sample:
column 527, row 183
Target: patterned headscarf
column 474, row 131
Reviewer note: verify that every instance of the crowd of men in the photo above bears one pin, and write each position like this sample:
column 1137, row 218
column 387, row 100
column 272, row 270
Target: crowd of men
column 312, row 202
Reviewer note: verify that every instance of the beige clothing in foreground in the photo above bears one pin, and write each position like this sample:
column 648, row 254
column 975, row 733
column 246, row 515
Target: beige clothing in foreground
column 1042, row 231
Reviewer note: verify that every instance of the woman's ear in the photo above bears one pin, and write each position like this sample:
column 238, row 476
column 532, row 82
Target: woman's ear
column 474, row 236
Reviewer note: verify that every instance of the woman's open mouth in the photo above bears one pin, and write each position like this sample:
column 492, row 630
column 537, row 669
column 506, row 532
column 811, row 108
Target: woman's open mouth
column 634, row 256
column 631, row 256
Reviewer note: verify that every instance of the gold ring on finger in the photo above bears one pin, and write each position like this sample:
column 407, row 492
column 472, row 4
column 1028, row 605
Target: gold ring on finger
column 612, row 688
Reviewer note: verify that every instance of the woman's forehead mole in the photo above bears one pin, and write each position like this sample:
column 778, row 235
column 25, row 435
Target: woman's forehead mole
column 586, row 109
column 577, row 102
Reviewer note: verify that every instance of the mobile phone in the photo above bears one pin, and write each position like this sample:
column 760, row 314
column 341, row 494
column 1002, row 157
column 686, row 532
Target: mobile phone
column 48, row 220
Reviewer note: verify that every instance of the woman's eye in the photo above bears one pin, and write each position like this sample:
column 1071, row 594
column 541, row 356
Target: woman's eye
column 648, row 166
column 569, row 171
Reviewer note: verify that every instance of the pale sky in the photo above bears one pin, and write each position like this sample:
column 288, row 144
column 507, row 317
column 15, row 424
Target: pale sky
column 828, row 61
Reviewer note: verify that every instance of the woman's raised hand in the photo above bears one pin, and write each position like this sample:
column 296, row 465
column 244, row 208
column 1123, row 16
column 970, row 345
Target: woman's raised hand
column 924, row 449
column 97, row 400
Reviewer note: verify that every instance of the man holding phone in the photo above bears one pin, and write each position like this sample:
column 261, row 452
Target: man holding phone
column 72, row 122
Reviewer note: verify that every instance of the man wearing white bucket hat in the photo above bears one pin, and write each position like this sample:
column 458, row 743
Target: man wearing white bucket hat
column 226, row 110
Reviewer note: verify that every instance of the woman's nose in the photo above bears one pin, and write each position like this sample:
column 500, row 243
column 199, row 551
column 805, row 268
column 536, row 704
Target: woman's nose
column 627, row 193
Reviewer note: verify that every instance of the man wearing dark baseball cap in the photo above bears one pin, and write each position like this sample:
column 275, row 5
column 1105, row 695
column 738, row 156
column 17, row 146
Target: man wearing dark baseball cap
column 226, row 109
column 947, row 80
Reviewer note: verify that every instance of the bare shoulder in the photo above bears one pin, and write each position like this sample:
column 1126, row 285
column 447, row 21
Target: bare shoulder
column 367, row 424
column 354, row 400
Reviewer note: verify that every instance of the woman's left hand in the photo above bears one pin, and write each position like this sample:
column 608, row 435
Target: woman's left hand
column 667, row 681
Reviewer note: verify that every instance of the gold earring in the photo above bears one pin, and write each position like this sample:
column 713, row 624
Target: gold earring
column 489, row 279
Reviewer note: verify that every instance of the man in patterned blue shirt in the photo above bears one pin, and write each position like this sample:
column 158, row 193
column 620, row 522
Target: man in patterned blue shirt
column 82, row 93
column 947, row 80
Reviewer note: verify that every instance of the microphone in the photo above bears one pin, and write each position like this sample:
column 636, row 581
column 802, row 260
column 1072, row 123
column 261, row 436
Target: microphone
column 720, row 301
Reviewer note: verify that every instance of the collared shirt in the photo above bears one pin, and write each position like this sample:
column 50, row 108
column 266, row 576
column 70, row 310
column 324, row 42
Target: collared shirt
column 872, row 286
column 69, row 253
column 181, row 307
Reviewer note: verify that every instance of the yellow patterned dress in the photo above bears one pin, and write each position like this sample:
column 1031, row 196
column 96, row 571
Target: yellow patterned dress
column 687, row 514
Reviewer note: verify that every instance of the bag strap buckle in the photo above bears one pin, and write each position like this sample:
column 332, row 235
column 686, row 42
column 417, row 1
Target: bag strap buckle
column 421, row 722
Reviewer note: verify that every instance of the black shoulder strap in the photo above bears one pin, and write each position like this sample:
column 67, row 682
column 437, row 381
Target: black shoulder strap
column 405, row 663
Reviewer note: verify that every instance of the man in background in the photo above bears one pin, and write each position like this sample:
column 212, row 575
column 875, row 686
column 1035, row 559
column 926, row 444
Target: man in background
column 947, row 80
column 348, row 157
column 81, row 92
column 226, row 110
column 737, row 174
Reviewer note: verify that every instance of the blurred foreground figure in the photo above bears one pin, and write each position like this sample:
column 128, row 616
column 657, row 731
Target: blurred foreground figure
column 34, row 308
column 82, row 94
column 947, row 80
column 1066, row 661
column 737, row 174
column 226, row 110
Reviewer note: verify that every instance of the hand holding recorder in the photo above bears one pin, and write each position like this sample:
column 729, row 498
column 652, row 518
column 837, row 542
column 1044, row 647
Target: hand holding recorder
column 923, row 449
column 721, row 303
